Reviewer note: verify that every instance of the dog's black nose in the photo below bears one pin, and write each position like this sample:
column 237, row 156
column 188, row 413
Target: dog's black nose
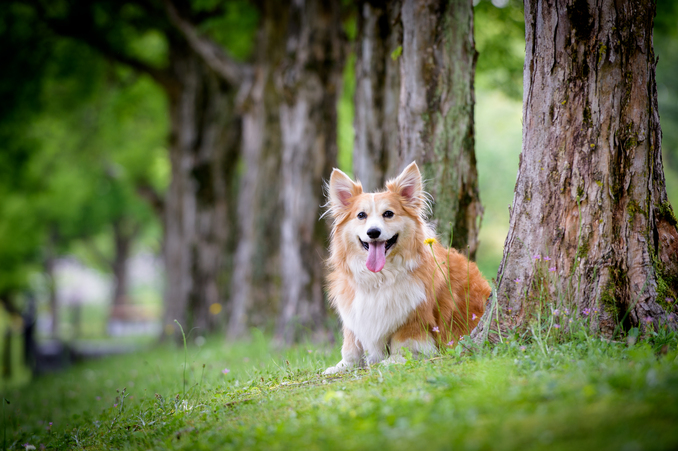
column 374, row 233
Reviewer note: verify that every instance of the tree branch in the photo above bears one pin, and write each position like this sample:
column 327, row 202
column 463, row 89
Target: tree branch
column 155, row 200
column 97, row 254
column 84, row 32
column 212, row 54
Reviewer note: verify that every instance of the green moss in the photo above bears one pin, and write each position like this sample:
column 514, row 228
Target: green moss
column 667, row 284
column 664, row 211
column 580, row 192
column 583, row 249
column 608, row 301
column 396, row 53
column 632, row 209
column 602, row 51
column 587, row 116
column 663, row 292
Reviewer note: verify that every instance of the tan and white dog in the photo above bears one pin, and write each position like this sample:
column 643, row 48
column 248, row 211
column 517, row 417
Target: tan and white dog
column 384, row 281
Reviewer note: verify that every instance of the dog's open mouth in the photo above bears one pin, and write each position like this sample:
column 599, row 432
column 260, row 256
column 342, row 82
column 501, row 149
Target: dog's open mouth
column 376, row 252
column 389, row 243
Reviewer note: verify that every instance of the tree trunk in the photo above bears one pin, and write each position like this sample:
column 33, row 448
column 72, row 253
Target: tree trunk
column 424, row 113
column 436, row 112
column 7, row 369
column 256, row 268
column 50, row 263
column 590, row 192
column 204, row 141
column 377, row 143
column 309, row 80
column 123, row 236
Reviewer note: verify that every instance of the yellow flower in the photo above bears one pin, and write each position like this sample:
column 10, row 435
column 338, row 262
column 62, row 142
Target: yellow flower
column 429, row 241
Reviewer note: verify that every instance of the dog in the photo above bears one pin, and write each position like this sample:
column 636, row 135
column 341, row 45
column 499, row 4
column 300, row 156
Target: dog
column 384, row 281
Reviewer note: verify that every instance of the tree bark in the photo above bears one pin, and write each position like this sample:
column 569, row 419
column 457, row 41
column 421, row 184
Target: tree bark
column 590, row 192
column 436, row 112
column 256, row 269
column 123, row 237
column 377, row 142
column 204, row 142
column 309, row 81
column 424, row 113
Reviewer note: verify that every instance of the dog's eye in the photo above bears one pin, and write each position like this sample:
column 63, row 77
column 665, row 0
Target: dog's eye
column 388, row 214
column 362, row 215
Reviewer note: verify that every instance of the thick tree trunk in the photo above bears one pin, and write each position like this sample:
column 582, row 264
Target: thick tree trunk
column 424, row 113
column 590, row 192
column 256, row 269
column 204, row 142
column 309, row 80
column 377, row 142
column 436, row 112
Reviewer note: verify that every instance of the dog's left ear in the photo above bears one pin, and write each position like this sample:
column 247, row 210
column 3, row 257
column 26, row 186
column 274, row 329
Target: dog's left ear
column 409, row 185
column 340, row 192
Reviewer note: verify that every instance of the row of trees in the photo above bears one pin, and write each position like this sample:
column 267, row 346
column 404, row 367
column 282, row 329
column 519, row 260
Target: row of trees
column 251, row 140
column 253, row 134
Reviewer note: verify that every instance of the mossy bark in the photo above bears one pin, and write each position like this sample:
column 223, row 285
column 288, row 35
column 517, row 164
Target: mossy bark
column 590, row 192
column 422, row 112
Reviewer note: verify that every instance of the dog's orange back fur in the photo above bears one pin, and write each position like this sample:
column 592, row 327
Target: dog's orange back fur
column 454, row 290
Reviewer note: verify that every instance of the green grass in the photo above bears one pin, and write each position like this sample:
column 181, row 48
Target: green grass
column 578, row 394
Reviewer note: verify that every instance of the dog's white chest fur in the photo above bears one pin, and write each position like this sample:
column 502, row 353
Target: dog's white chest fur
column 383, row 301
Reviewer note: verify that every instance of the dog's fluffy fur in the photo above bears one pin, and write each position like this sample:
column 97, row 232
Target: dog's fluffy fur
column 401, row 298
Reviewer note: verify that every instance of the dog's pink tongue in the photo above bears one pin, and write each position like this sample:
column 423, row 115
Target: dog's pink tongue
column 376, row 256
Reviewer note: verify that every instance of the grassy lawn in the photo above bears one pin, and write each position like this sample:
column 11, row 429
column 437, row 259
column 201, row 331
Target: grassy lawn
column 579, row 394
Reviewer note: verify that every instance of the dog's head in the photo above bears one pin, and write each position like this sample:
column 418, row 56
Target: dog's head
column 374, row 226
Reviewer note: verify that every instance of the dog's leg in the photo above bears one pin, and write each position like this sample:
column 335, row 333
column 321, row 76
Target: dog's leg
column 375, row 352
column 420, row 344
column 351, row 353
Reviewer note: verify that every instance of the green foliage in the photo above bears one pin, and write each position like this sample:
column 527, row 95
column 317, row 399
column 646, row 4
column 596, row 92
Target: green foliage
column 665, row 40
column 583, row 394
column 498, row 144
column 500, row 42
column 345, row 116
column 20, row 231
column 90, row 133
column 232, row 24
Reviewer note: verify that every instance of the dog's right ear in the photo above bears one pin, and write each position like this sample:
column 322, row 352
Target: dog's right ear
column 341, row 190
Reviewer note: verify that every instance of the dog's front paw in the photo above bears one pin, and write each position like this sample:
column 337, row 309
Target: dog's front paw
column 338, row 368
column 394, row 359
column 333, row 370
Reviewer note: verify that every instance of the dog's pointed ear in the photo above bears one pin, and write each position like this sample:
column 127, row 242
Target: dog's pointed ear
column 409, row 185
column 341, row 190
